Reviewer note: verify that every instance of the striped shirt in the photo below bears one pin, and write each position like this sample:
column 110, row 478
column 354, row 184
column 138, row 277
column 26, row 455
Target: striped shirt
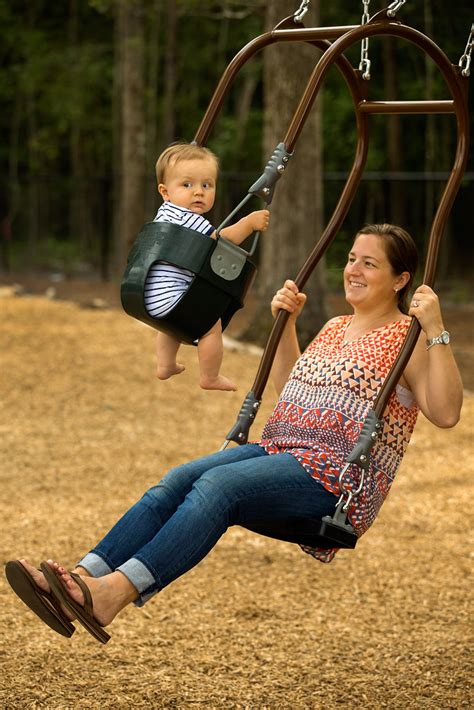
column 166, row 283
column 321, row 410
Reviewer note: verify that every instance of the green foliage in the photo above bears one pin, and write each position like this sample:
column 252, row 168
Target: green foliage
column 52, row 254
column 58, row 107
column 54, row 84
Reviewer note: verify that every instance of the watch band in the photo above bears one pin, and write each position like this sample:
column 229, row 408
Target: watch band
column 442, row 339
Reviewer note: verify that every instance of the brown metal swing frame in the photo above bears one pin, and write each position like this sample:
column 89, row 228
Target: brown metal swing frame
column 333, row 42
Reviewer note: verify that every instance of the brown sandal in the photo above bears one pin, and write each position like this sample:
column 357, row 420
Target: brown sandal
column 43, row 604
column 83, row 612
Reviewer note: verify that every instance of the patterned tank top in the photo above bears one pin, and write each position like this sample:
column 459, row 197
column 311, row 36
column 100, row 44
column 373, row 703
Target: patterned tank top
column 322, row 408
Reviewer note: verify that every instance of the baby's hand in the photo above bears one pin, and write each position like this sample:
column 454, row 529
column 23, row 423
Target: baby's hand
column 259, row 220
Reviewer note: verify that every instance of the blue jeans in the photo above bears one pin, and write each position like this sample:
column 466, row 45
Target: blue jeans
column 177, row 522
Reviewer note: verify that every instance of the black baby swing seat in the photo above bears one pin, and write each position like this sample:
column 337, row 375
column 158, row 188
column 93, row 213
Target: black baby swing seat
column 223, row 274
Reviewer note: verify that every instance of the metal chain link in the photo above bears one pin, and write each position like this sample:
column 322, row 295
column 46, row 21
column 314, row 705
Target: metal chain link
column 301, row 12
column 364, row 65
column 465, row 60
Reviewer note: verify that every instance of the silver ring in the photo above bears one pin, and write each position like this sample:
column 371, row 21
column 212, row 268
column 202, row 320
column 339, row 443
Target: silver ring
column 415, row 304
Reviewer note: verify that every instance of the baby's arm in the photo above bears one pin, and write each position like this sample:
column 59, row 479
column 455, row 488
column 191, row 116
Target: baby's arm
column 253, row 222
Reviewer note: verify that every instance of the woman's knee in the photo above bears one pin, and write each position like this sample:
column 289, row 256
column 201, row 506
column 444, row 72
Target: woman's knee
column 218, row 489
column 173, row 486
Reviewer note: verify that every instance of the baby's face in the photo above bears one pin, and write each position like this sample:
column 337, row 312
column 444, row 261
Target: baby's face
column 191, row 184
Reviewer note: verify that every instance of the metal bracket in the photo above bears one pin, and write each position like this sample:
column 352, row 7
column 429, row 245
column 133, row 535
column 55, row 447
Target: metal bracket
column 264, row 187
column 228, row 260
column 369, row 434
column 336, row 528
column 248, row 411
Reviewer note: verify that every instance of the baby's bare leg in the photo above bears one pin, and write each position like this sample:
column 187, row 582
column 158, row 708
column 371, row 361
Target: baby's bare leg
column 166, row 351
column 210, row 353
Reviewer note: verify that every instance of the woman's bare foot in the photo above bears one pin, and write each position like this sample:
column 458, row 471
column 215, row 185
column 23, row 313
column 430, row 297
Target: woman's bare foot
column 37, row 575
column 217, row 383
column 164, row 372
column 110, row 593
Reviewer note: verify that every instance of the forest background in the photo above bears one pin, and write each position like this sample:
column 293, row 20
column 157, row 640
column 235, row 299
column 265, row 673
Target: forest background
column 92, row 90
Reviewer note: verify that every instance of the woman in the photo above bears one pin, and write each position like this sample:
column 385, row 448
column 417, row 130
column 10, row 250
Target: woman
column 294, row 471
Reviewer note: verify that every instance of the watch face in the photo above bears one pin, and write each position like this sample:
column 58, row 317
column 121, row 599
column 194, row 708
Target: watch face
column 445, row 337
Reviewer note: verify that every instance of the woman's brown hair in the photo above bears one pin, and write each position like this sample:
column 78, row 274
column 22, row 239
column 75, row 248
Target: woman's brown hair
column 401, row 252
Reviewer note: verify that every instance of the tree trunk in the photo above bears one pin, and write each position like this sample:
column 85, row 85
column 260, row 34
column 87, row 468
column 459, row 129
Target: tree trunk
column 80, row 219
column 297, row 209
column 12, row 191
column 131, row 178
column 169, row 113
column 33, row 199
column 153, row 88
column 396, row 212
column 242, row 112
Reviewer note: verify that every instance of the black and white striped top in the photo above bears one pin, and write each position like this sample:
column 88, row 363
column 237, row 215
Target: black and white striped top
column 165, row 283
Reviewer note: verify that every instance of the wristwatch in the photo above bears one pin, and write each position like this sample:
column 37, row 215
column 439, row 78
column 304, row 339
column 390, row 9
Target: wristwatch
column 441, row 339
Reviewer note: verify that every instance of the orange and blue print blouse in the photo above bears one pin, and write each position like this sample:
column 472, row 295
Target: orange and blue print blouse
column 322, row 408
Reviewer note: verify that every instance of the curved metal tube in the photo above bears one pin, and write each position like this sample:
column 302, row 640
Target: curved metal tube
column 454, row 82
column 357, row 88
column 379, row 25
column 331, row 56
column 288, row 34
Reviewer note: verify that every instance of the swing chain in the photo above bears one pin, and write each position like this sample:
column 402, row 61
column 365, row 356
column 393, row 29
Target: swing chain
column 349, row 493
column 364, row 65
column 465, row 60
column 394, row 7
column 301, row 12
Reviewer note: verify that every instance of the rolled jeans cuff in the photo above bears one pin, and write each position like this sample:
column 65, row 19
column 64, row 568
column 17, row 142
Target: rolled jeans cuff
column 141, row 578
column 95, row 565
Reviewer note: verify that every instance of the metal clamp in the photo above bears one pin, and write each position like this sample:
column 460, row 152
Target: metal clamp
column 274, row 169
column 394, row 7
column 360, row 455
column 465, row 60
column 301, row 12
column 240, row 431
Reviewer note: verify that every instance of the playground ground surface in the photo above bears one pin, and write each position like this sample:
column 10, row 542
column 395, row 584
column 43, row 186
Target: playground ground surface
column 85, row 429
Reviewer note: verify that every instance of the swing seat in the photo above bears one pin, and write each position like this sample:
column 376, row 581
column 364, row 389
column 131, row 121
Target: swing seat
column 308, row 532
column 222, row 276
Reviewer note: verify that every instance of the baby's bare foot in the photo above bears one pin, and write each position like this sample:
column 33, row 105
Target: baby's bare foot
column 164, row 372
column 217, row 383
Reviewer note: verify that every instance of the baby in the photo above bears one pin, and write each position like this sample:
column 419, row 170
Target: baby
column 187, row 176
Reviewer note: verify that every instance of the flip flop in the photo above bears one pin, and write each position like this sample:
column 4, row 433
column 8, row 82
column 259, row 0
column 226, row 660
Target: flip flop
column 82, row 612
column 41, row 603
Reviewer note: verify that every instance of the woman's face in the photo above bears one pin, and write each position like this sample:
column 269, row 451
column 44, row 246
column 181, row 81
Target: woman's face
column 369, row 281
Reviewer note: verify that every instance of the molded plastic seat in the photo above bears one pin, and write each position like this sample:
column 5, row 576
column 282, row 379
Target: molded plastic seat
column 223, row 274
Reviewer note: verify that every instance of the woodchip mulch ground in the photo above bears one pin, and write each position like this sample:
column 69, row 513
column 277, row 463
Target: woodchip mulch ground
column 85, row 429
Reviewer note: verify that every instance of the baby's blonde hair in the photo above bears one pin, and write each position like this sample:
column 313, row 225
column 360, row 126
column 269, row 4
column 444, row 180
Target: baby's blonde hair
column 176, row 152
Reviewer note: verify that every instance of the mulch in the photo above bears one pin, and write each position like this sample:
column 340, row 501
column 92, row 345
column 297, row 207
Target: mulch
column 86, row 428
